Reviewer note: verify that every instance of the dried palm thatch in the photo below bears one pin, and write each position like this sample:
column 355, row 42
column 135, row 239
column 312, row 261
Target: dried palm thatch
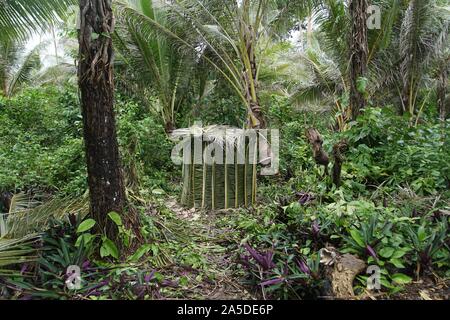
column 17, row 251
column 27, row 218
column 228, row 180
column 27, row 215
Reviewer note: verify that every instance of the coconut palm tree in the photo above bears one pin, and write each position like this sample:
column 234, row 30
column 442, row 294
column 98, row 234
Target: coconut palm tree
column 231, row 36
column 400, row 54
column 422, row 25
column 96, row 84
column 147, row 61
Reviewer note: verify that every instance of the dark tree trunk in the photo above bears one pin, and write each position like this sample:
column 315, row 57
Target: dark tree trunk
column 442, row 92
column 319, row 154
column 95, row 74
column 338, row 155
column 5, row 201
column 169, row 127
column 358, row 53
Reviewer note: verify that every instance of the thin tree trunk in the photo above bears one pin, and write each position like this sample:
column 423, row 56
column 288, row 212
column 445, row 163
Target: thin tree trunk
column 338, row 151
column 250, row 78
column 358, row 53
column 442, row 92
column 95, row 74
column 409, row 88
column 169, row 127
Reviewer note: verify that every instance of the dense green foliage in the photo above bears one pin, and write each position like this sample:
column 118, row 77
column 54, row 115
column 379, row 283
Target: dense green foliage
column 390, row 209
column 41, row 142
column 243, row 64
column 42, row 146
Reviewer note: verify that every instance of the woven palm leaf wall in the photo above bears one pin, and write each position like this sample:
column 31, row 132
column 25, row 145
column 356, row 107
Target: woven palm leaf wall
column 220, row 186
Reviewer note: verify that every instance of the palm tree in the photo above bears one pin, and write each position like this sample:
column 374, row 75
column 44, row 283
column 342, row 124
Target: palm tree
column 16, row 66
column 96, row 83
column 230, row 36
column 147, row 61
column 441, row 67
column 400, row 54
column 413, row 43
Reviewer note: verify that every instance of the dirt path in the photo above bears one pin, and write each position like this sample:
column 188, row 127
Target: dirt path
column 222, row 278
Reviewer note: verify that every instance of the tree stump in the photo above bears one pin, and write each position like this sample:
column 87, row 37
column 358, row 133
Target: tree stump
column 319, row 155
column 341, row 272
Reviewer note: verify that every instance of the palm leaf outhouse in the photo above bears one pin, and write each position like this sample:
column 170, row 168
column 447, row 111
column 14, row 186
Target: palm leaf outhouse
column 219, row 166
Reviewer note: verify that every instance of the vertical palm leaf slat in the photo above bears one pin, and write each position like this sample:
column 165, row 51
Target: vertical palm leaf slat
column 219, row 185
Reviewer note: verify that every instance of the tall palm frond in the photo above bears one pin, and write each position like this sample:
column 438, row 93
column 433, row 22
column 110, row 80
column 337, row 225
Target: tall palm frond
column 8, row 59
column 17, row 66
column 20, row 18
column 381, row 39
column 22, row 73
column 334, row 21
column 420, row 31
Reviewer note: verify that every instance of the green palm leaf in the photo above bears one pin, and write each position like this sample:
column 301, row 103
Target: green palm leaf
column 20, row 18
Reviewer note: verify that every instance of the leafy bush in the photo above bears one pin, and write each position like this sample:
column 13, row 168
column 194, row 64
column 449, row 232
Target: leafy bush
column 381, row 213
column 386, row 148
column 145, row 147
column 40, row 146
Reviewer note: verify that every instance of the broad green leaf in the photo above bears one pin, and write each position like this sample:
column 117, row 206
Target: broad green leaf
column 115, row 217
column 398, row 254
column 109, row 248
column 86, row 237
column 387, row 252
column 386, row 283
column 86, row 225
column 140, row 252
column 104, row 252
column 397, row 263
column 401, row 278
column 356, row 235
